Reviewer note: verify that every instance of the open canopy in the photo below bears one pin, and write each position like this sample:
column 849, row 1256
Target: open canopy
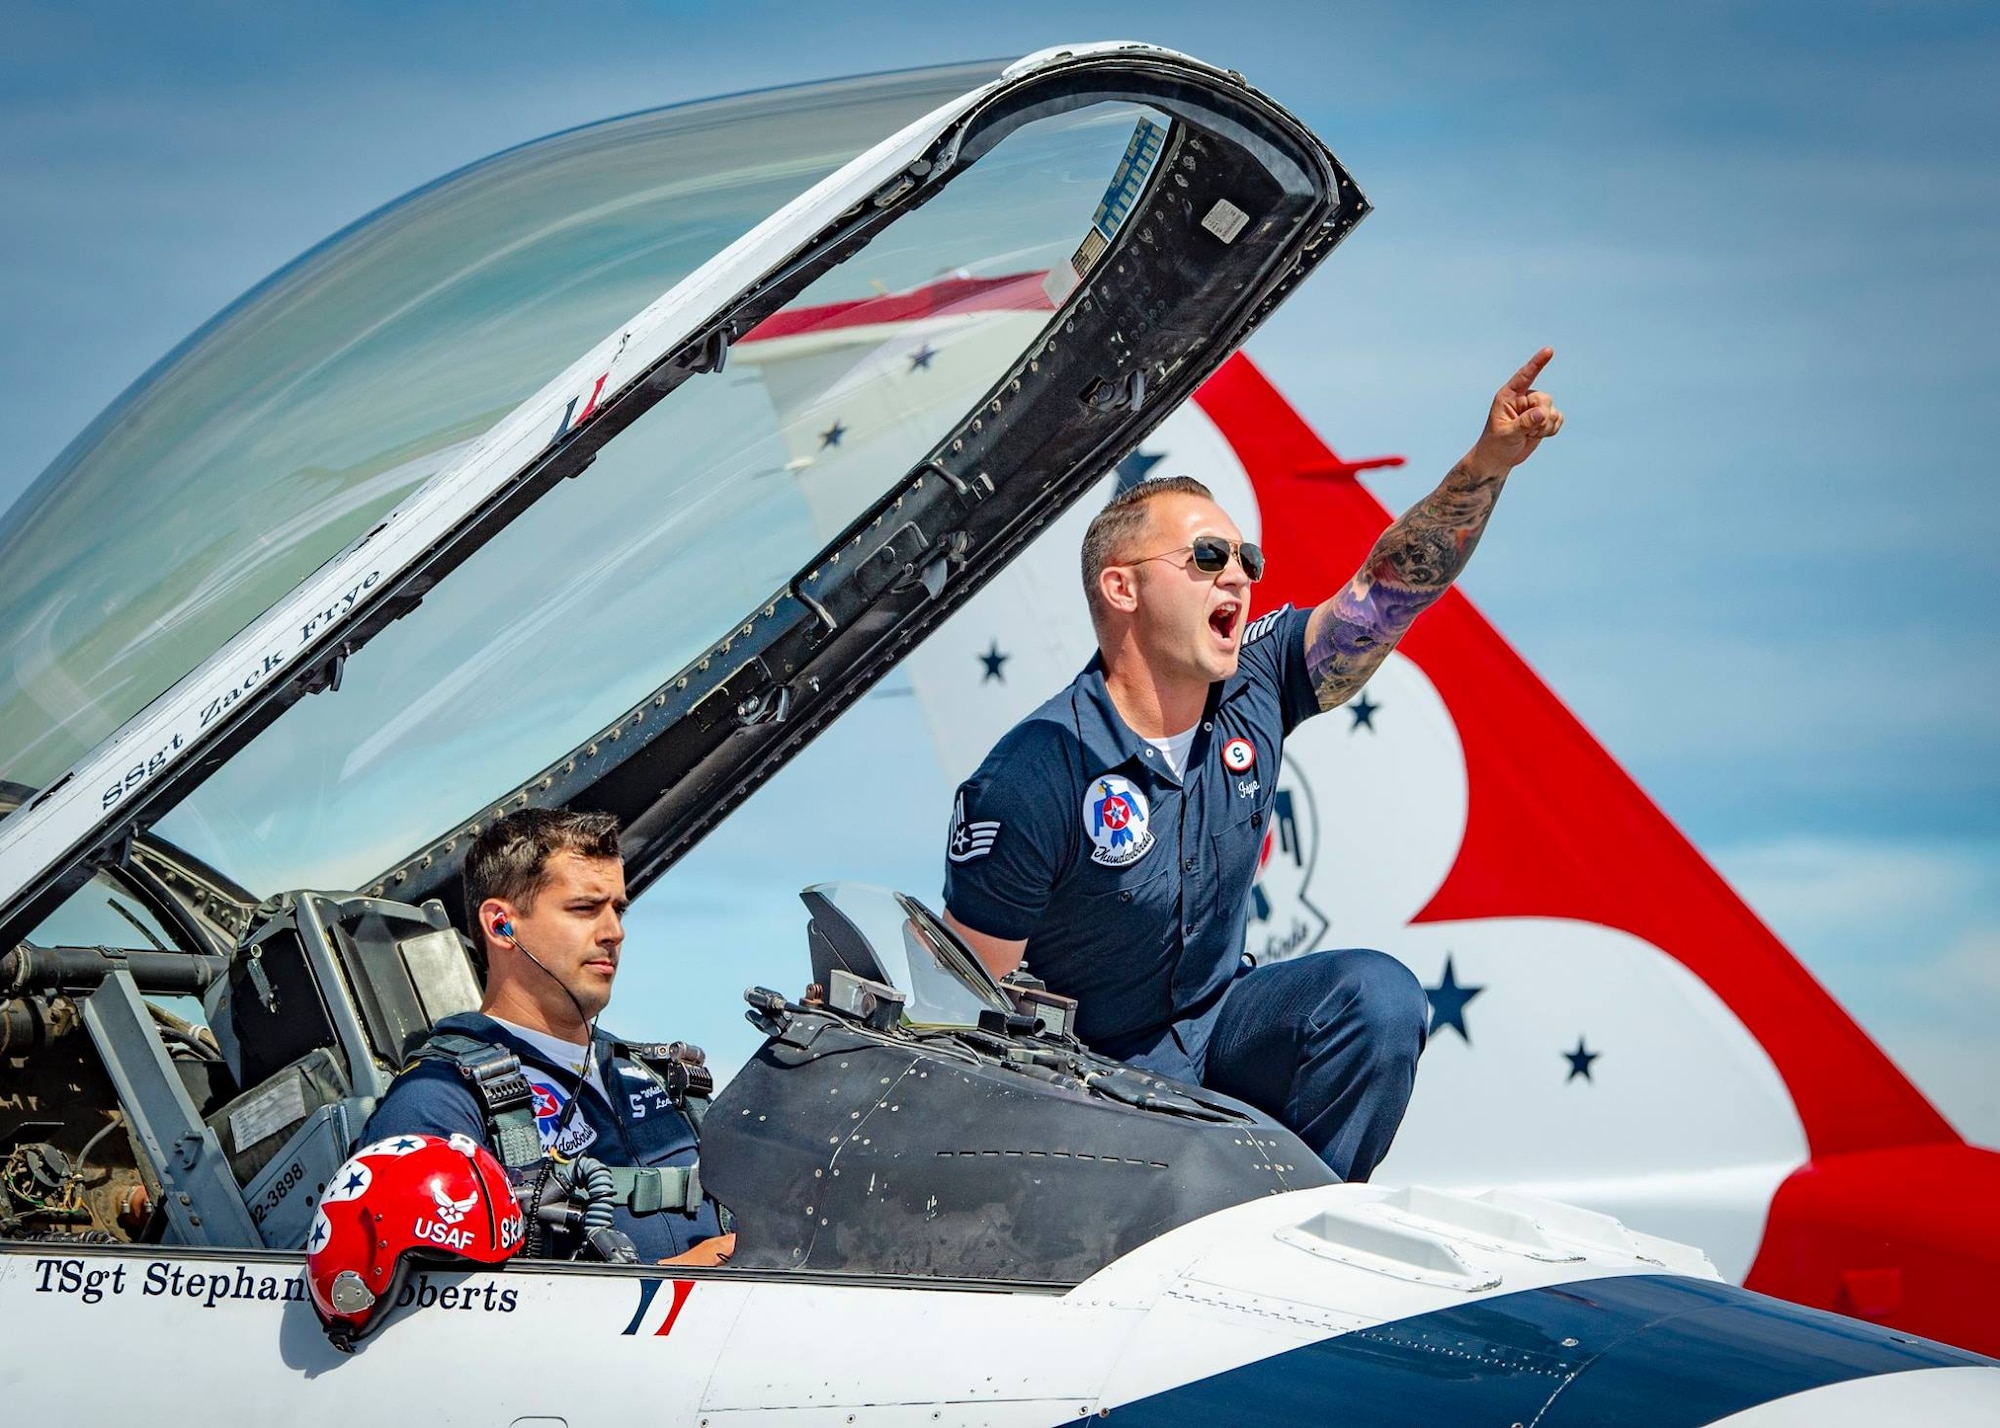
column 790, row 466
column 300, row 415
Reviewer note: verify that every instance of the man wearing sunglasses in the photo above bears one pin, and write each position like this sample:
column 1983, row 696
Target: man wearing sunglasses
column 1112, row 836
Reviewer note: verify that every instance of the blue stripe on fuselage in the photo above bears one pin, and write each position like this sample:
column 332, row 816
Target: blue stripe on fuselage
column 1650, row 1351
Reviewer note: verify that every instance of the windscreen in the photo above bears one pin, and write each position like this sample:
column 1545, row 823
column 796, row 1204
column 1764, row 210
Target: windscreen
column 291, row 423
column 686, row 523
column 942, row 987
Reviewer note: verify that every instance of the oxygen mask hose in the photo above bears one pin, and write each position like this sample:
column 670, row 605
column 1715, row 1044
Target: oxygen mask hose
column 590, row 1182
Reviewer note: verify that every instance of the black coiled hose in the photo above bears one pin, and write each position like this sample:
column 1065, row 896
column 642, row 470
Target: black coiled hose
column 599, row 1193
column 590, row 1182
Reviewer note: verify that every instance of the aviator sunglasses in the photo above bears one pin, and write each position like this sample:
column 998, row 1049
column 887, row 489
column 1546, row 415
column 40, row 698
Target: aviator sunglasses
column 1211, row 556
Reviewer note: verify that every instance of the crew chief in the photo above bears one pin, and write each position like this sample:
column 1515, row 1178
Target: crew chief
column 1112, row 836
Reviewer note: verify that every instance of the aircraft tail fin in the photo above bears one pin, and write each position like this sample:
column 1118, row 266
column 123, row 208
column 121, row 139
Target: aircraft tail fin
column 1555, row 826
column 1611, row 1024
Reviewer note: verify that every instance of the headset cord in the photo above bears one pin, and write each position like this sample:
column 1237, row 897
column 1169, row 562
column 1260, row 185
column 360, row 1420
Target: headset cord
column 583, row 1075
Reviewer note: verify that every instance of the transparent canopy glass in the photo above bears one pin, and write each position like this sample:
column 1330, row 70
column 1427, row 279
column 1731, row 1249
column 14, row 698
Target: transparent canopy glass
column 687, row 522
column 287, row 426
column 103, row 913
column 944, row 987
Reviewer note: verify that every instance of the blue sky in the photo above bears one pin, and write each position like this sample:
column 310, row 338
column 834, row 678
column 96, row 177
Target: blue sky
column 1760, row 563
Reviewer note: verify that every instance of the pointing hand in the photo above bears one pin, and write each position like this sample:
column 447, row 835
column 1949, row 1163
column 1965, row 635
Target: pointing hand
column 1521, row 419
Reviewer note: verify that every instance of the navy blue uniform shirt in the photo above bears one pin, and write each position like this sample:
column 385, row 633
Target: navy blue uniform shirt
column 639, row 1125
column 1131, row 885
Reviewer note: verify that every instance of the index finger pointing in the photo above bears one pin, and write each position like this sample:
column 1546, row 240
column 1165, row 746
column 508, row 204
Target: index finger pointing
column 1531, row 369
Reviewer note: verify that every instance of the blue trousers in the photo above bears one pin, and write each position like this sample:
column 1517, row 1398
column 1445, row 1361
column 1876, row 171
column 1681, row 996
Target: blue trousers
column 1325, row 1044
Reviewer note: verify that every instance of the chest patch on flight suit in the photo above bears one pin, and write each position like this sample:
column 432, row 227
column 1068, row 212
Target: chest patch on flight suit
column 1238, row 755
column 550, row 1101
column 1117, row 821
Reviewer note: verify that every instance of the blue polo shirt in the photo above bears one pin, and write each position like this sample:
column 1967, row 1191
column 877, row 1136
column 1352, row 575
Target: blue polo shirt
column 1130, row 884
column 638, row 1124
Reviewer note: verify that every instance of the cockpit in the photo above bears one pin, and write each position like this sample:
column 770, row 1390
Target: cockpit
column 253, row 721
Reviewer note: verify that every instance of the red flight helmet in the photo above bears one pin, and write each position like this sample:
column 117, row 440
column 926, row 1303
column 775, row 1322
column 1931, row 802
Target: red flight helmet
column 410, row 1197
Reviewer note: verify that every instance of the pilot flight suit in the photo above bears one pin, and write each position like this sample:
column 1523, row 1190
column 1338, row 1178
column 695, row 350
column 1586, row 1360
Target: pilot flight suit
column 1132, row 888
column 638, row 1126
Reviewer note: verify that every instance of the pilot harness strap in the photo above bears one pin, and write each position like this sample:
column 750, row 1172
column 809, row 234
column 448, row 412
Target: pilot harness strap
column 506, row 1100
column 504, row 1095
column 649, row 1189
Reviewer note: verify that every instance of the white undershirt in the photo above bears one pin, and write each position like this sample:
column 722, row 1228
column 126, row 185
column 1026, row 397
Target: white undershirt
column 1174, row 749
column 567, row 1054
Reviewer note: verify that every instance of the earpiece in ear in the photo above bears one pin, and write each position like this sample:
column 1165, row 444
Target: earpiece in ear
column 503, row 928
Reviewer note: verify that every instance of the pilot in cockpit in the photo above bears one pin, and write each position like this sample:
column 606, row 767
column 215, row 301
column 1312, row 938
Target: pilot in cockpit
column 578, row 1117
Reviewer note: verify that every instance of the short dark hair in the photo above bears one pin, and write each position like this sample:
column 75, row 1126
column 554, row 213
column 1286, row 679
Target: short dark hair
column 1122, row 517
column 510, row 859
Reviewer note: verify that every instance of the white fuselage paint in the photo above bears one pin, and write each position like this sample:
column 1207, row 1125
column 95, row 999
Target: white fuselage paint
column 570, row 1342
column 1203, row 1299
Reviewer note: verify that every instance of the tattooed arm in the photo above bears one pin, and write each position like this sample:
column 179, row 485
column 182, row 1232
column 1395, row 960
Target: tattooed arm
column 1419, row 556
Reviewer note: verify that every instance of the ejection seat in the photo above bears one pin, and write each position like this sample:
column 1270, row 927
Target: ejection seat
column 323, row 1000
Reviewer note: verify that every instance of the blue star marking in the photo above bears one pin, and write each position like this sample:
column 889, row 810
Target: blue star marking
column 993, row 659
column 1579, row 1062
column 832, row 435
column 1134, row 468
column 920, row 360
column 1363, row 709
column 406, row 1143
column 355, row 1180
column 1448, row 1000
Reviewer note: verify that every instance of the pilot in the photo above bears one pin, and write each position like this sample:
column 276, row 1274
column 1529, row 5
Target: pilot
column 530, row 1076
column 1112, row 836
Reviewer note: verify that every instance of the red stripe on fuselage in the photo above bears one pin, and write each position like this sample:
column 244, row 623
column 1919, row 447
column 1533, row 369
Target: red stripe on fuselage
column 682, row 1288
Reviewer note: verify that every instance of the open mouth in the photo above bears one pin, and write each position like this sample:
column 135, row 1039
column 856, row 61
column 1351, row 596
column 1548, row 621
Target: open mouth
column 1222, row 620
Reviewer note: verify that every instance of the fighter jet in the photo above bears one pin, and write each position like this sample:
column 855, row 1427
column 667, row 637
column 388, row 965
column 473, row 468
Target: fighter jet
column 1642, row 1044
column 377, row 556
